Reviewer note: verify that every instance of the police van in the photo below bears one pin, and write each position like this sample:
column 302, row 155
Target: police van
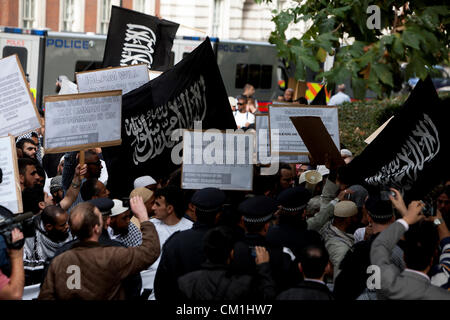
column 45, row 55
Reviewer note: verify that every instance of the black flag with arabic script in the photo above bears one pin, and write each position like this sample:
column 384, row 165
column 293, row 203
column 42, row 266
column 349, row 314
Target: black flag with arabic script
column 412, row 151
column 134, row 38
column 193, row 90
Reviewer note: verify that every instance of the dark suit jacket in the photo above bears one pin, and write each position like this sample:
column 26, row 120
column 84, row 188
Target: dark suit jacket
column 307, row 290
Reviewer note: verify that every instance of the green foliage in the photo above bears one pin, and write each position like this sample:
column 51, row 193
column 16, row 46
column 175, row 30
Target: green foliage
column 358, row 120
column 419, row 36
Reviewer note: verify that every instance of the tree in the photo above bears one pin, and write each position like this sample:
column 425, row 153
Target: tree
column 415, row 32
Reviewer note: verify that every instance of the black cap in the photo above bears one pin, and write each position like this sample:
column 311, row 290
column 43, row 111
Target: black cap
column 208, row 200
column 294, row 200
column 379, row 210
column 258, row 209
column 103, row 204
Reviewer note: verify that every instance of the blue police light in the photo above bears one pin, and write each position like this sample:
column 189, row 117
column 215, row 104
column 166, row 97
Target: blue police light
column 190, row 38
column 13, row 30
column 39, row 32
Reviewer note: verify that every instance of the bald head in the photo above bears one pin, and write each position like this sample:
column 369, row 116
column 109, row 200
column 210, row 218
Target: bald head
column 86, row 221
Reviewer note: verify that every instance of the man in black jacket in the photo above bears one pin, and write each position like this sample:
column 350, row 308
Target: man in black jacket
column 215, row 281
column 183, row 251
column 314, row 264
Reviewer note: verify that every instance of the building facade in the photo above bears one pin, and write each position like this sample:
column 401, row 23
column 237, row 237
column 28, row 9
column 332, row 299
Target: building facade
column 226, row 19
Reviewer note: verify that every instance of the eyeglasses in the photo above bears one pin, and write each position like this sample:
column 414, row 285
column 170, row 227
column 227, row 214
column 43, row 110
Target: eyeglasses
column 240, row 104
column 98, row 163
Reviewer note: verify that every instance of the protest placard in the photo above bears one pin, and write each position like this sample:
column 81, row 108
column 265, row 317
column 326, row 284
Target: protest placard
column 18, row 112
column 10, row 193
column 81, row 121
column 263, row 149
column 118, row 78
column 217, row 159
column 281, row 127
column 317, row 140
column 68, row 87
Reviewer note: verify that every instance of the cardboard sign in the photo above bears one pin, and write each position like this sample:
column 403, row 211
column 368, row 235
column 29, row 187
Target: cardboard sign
column 216, row 159
column 18, row 112
column 82, row 121
column 68, row 87
column 118, row 78
column 317, row 139
column 299, row 88
column 263, row 148
column 281, row 127
column 10, row 193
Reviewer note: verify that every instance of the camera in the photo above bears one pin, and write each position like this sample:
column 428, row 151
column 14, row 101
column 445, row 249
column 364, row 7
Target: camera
column 9, row 221
column 386, row 192
column 428, row 209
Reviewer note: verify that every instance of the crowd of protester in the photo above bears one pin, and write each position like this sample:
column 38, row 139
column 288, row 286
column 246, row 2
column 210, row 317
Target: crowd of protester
column 291, row 238
column 288, row 239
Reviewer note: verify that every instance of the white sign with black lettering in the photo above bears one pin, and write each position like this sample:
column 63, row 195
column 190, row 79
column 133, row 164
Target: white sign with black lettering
column 18, row 113
column 217, row 159
column 81, row 121
column 263, row 144
column 281, row 127
column 10, row 193
column 119, row 78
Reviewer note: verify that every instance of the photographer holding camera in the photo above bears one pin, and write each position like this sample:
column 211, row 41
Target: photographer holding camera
column 11, row 288
column 421, row 239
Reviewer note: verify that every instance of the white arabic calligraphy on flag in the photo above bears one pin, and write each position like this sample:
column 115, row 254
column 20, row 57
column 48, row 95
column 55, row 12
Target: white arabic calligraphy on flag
column 138, row 46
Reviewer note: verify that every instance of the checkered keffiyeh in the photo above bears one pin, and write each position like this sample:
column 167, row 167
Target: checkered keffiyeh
column 39, row 154
column 133, row 238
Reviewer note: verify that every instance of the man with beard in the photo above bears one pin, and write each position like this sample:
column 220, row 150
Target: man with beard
column 52, row 231
column 28, row 148
column 121, row 229
column 28, row 174
column 338, row 233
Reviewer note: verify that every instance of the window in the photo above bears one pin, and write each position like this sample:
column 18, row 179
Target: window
column 68, row 15
column 28, row 13
column 85, row 65
column 139, row 5
column 105, row 14
column 217, row 17
column 260, row 76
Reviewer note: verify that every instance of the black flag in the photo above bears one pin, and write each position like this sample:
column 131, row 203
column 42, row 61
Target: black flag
column 134, row 38
column 193, row 90
column 412, row 151
column 320, row 99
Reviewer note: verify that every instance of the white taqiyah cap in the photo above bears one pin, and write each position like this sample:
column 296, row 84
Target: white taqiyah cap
column 143, row 181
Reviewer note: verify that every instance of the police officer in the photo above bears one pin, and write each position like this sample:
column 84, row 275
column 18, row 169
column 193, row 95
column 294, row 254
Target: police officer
column 183, row 251
column 291, row 231
column 257, row 213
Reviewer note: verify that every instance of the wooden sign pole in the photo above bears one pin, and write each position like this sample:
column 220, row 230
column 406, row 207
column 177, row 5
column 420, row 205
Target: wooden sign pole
column 82, row 160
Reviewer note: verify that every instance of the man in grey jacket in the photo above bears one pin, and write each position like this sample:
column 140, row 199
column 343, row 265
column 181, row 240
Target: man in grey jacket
column 412, row 283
